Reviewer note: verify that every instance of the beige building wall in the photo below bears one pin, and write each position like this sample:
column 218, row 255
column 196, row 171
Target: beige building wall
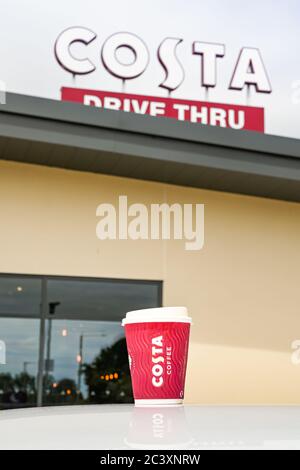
column 242, row 289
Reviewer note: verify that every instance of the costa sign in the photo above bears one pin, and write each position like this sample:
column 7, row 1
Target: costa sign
column 248, row 70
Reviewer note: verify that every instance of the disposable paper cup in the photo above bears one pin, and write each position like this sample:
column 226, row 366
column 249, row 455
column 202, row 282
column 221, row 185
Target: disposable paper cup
column 157, row 342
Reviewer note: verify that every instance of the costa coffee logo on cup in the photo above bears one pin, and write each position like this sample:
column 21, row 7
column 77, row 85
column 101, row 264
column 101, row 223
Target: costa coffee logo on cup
column 126, row 56
column 157, row 359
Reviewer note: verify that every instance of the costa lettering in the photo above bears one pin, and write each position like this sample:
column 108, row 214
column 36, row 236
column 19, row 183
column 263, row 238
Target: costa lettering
column 157, row 361
column 248, row 69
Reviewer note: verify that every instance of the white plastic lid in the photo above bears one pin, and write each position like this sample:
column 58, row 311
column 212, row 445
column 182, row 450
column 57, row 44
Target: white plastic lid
column 174, row 314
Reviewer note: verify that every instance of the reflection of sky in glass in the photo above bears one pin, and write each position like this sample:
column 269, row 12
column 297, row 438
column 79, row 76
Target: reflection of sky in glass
column 64, row 349
column 21, row 339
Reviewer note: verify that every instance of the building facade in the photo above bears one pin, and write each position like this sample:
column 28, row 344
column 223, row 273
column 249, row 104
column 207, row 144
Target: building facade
column 64, row 291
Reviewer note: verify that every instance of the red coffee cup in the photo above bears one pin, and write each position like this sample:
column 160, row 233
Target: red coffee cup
column 157, row 342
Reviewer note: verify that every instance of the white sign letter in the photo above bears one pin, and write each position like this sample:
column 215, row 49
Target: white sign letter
column 63, row 52
column 209, row 53
column 168, row 59
column 250, row 70
column 114, row 65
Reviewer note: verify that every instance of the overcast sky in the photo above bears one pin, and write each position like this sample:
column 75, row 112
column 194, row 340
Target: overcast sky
column 29, row 30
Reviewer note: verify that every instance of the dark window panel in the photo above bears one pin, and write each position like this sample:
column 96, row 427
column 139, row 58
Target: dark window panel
column 105, row 300
column 20, row 296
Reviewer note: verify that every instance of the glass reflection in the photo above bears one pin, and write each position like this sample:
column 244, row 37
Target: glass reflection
column 18, row 375
column 87, row 362
column 20, row 297
column 159, row 427
column 105, row 300
column 85, row 355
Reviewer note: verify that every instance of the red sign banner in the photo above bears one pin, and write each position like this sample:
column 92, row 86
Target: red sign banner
column 214, row 114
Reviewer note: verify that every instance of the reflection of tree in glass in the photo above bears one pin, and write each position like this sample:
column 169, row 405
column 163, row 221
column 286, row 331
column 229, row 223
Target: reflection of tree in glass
column 63, row 392
column 18, row 390
column 6, row 382
column 25, row 382
column 108, row 376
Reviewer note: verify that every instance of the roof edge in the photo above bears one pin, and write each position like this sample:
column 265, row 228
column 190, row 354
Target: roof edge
column 70, row 112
